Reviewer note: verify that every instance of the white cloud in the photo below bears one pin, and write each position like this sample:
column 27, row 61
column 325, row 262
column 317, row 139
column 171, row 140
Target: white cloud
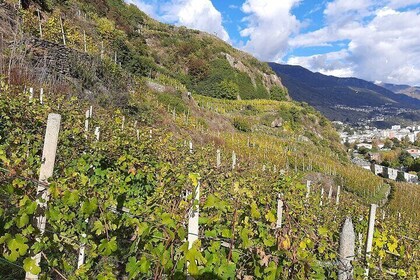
column 397, row 4
column 384, row 42
column 269, row 23
column 196, row 14
column 333, row 63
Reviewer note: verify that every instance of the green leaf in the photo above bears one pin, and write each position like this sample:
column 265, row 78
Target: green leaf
column 90, row 206
column 98, row 227
column 17, row 247
column 210, row 202
column 132, row 267
column 22, row 221
column 106, row 247
column 29, row 265
column 322, row 231
column 254, row 211
column 144, row 265
column 71, row 198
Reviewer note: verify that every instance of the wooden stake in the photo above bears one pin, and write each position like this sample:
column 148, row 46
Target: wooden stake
column 218, row 158
column 84, row 41
column 40, row 24
column 62, row 31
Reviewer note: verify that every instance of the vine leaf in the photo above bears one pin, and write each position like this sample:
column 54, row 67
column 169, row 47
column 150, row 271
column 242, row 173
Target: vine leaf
column 29, row 265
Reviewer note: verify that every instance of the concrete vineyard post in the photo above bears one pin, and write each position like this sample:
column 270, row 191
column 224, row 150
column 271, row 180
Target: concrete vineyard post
column 97, row 133
column 31, row 93
column 337, row 198
column 150, row 134
column 138, row 134
column 81, row 259
column 233, row 160
column 218, row 159
column 191, row 147
column 330, row 194
column 87, row 121
column 193, row 229
column 47, row 168
column 279, row 213
column 371, row 229
column 308, row 188
column 347, row 250
column 322, row 197
column 41, row 96
column 90, row 112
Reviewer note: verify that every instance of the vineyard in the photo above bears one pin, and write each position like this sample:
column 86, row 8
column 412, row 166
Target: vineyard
column 151, row 181
column 125, row 195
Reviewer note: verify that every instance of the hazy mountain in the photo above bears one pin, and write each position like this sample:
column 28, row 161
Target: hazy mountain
column 346, row 99
column 412, row 91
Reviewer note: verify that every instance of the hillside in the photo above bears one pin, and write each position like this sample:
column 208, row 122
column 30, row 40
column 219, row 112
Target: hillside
column 347, row 99
column 120, row 33
column 155, row 179
column 411, row 91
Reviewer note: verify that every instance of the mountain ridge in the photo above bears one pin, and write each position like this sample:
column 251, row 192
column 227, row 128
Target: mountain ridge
column 341, row 98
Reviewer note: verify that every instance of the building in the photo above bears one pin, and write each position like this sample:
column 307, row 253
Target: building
column 414, row 152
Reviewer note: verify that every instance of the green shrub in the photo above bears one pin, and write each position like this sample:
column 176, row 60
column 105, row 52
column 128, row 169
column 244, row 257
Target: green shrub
column 242, row 124
column 173, row 101
column 278, row 93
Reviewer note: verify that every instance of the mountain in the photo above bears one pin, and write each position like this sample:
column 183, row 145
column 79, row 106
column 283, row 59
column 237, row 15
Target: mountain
column 346, row 99
column 412, row 91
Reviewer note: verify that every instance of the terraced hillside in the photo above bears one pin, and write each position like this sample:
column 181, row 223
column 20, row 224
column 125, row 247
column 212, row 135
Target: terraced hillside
column 141, row 162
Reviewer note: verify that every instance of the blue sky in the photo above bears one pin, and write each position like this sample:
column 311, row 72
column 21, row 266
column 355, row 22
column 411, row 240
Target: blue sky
column 376, row 40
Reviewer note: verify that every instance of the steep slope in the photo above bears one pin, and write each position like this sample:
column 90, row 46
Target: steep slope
column 411, row 91
column 345, row 99
column 130, row 174
column 118, row 32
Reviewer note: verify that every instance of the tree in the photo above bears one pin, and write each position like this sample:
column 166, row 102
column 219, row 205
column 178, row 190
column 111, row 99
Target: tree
column 228, row 89
column 405, row 158
column 388, row 144
column 400, row 177
column 278, row 93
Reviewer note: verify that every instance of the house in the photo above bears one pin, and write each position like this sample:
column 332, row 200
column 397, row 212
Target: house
column 374, row 157
column 364, row 145
column 414, row 152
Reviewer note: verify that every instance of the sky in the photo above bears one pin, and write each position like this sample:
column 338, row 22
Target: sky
column 376, row 40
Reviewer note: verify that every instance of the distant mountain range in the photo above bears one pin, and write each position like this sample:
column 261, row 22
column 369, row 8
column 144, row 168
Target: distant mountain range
column 350, row 100
column 402, row 89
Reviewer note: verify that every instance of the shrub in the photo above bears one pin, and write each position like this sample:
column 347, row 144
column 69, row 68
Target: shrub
column 242, row 124
column 173, row 101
